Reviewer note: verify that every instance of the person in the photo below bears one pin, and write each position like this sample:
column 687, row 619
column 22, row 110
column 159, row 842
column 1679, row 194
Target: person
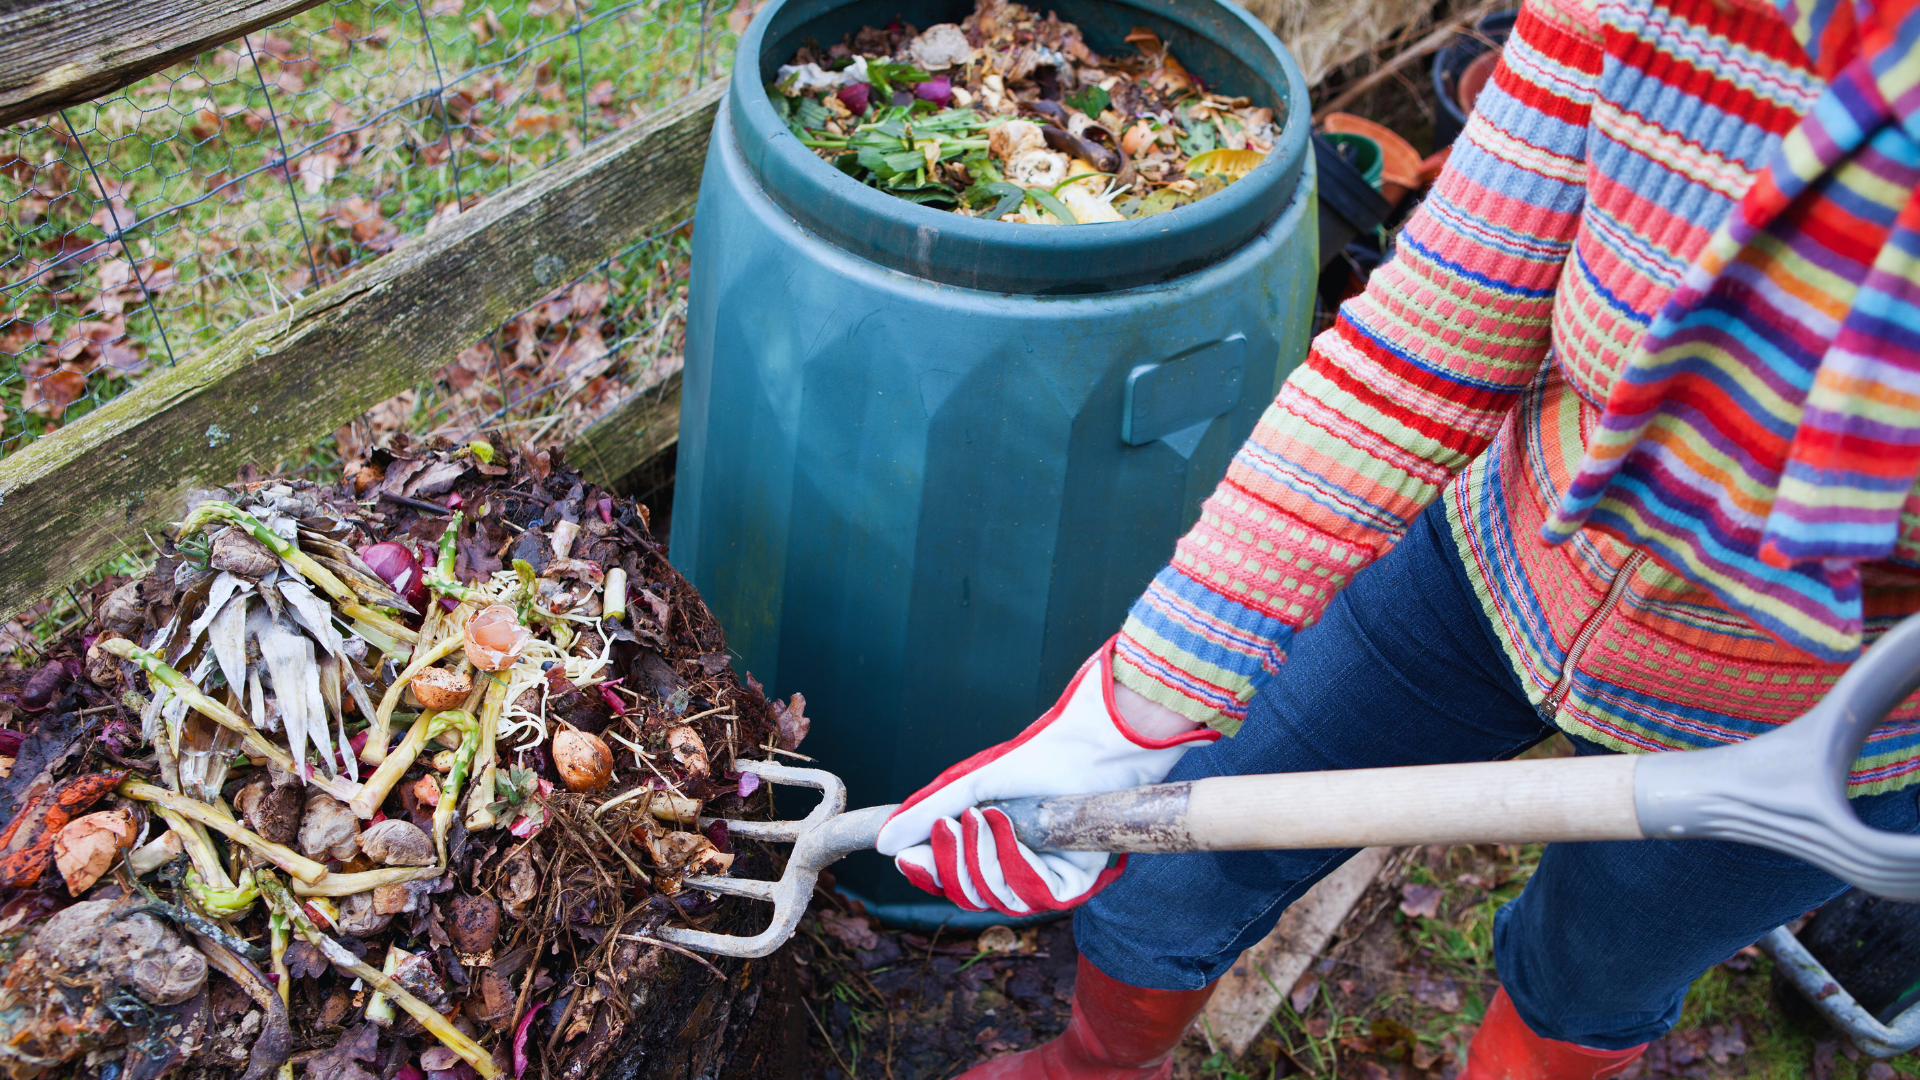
column 1621, row 443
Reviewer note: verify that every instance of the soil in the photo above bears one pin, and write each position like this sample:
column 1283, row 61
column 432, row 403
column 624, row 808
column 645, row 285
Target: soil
column 1397, row 995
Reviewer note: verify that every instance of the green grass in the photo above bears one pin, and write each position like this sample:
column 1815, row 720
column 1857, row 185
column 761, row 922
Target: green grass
column 219, row 226
column 1785, row 1051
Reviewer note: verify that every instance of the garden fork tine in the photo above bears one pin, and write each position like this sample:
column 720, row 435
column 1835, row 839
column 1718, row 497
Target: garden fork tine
column 819, row 840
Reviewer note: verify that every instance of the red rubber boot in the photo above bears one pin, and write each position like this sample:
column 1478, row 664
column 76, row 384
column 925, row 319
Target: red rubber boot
column 1507, row 1049
column 1118, row 1032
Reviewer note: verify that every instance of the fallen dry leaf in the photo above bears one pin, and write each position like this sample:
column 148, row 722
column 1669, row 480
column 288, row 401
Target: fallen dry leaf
column 1440, row 993
column 791, row 717
column 317, row 171
column 1420, row 901
column 50, row 394
column 1305, row 989
column 853, row 931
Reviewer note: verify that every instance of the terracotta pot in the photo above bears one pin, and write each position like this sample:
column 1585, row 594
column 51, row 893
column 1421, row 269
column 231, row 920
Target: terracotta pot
column 1475, row 79
column 1399, row 161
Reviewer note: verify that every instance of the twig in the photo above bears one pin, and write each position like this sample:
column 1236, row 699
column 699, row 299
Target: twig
column 1440, row 36
column 688, row 953
column 828, row 1039
column 417, row 504
column 624, row 797
column 770, row 748
column 631, row 865
column 647, row 760
column 709, row 712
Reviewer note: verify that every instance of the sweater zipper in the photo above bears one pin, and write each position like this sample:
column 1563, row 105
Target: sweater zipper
column 1615, row 590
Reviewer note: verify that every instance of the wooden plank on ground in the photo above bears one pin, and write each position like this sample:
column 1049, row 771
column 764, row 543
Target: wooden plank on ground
column 1254, row 989
column 72, row 499
column 636, row 430
column 56, row 53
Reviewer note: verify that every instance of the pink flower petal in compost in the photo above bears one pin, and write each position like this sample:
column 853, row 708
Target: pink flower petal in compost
column 749, row 783
column 520, row 1040
column 409, row 1071
column 606, row 510
column 854, row 96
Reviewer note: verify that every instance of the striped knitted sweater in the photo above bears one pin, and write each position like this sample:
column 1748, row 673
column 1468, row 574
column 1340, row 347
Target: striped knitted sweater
column 1611, row 141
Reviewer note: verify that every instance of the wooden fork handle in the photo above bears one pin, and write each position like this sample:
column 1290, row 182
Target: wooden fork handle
column 1552, row 799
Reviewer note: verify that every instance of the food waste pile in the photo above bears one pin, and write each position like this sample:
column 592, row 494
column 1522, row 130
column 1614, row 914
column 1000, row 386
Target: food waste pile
column 1011, row 117
column 394, row 778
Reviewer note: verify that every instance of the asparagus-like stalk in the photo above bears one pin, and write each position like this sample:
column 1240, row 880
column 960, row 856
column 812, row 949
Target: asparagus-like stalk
column 440, row 578
column 198, row 848
column 523, row 609
column 613, row 603
column 193, row 810
column 375, row 750
column 156, row 854
column 450, row 1037
column 379, row 640
column 380, row 784
column 462, row 721
column 223, row 903
column 366, row 880
column 478, row 816
column 349, row 601
column 379, row 1009
column 277, row 939
column 258, row 745
column 222, row 877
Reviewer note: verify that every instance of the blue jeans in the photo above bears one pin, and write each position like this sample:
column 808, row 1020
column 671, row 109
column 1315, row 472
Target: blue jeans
column 1404, row 670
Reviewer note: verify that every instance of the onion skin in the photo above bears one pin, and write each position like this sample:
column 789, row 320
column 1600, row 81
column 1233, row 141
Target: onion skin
column 938, row 90
column 582, row 759
column 398, row 567
column 854, row 96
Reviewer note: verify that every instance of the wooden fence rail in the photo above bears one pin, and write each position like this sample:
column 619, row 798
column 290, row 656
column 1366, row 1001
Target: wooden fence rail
column 73, row 499
column 56, row 53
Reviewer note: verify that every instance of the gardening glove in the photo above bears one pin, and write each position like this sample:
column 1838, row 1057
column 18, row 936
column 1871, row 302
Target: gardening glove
column 945, row 845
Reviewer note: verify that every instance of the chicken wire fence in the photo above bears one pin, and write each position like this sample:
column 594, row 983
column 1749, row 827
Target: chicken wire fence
column 144, row 225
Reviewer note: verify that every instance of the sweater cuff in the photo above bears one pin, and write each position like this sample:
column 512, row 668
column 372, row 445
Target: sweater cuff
column 1196, row 652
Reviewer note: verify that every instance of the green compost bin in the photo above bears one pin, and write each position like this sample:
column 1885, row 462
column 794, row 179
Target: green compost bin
column 927, row 461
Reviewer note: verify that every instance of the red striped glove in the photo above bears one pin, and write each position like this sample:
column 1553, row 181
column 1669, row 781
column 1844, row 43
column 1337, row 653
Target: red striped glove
column 946, row 846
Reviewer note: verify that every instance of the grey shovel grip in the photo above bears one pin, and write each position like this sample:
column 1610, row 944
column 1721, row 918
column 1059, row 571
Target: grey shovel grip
column 1787, row 789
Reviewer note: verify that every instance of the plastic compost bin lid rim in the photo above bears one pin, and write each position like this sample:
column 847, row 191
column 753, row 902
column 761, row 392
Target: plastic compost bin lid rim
column 1012, row 257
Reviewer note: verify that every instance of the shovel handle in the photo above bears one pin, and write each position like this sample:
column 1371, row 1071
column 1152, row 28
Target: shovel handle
column 1535, row 801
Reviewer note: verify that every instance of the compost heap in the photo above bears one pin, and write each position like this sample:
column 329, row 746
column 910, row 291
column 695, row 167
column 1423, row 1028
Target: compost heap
column 353, row 781
column 1011, row 117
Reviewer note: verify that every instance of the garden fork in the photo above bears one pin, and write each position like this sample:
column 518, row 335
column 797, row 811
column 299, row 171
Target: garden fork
column 1785, row 790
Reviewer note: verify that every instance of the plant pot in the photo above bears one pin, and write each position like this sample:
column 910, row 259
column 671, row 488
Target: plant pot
column 1451, row 68
column 1399, row 161
column 1349, row 205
